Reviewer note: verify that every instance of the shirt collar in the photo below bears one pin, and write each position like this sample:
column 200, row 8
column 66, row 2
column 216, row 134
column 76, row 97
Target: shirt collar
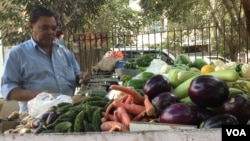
column 34, row 43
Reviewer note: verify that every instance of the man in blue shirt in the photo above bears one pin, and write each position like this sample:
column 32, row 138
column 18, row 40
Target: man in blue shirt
column 40, row 64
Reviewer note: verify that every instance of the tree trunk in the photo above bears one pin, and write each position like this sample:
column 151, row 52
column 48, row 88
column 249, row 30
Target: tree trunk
column 246, row 8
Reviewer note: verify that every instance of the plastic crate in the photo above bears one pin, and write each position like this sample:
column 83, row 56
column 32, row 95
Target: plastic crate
column 119, row 64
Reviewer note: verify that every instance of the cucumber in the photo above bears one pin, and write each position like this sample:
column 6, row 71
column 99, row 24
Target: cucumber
column 187, row 101
column 233, row 91
column 181, row 91
column 226, row 75
column 64, row 127
column 78, row 123
column 184, row 75
column 96, row 121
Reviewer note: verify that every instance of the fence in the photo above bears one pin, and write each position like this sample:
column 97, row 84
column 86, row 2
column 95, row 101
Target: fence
column 229, row 41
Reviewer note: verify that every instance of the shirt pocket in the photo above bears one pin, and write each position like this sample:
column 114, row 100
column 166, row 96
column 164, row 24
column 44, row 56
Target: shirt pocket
column 67, row 73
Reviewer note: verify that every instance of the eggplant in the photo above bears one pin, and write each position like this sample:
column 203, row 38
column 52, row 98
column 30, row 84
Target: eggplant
column 239, row 106
column 39, row 130
column 178, row 113
column 156, row 85
column 52, row 117
column 44, row 116
column 218, row 120
column 202, row 114
column 208, row 91
column 52, row 109
column 36, row 123
column 163, row 100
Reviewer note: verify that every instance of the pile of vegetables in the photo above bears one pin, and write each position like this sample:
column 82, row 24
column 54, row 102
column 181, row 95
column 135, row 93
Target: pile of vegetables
column 198, row 93
column 132, row 106
column 186, row 93
column 81, row 116
column 140, row 63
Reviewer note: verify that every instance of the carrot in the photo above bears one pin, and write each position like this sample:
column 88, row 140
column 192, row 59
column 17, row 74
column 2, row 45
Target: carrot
column 129, row 100
column 123, row 116
column 116, row 116
column 123, row 98
column 111, row 105
column 109, row 116
column 138, row 98
column 115, row 128
column 139, row 116
column 150, row 109
column 113, row 125
column 133, row 109
column 108, row 109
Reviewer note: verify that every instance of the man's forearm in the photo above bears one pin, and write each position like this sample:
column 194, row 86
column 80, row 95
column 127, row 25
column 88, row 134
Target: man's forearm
column 21, row 94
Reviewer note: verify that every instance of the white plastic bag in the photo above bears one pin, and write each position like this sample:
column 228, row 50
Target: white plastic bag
column 155, row 66
column 43, row 101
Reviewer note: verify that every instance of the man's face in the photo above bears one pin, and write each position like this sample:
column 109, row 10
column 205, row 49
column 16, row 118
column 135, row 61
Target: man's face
column 44, row 31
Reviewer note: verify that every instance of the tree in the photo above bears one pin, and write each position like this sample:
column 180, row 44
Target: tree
column 119, row 19
column 72, row 16
column 225, row 15
column 78, row 16
column 246, row 7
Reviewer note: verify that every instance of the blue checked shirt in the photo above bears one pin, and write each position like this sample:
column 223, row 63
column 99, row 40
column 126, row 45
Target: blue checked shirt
column 29, row 67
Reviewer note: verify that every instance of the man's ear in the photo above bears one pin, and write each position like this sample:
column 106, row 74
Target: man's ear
column 30, row 25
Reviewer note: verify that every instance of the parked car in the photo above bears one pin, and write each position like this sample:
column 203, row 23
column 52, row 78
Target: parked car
column 131, row 53
column 209, row 59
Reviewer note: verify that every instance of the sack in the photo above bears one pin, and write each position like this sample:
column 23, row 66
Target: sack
column 106, row 64
column 43, row 101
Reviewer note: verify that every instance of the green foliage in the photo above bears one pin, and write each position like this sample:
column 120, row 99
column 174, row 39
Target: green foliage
column 144, row 61
column 73, row 17
column 177, row 11
column 124, row 79
column 130, row 65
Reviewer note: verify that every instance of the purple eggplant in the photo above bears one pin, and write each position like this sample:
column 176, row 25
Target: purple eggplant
column 52, row 117
column 239, row 106
column 39, row 130
column 208, row 91
column 36, row 123
column 163, row 100
column 178, row 113
column 202, row 114
column 156, row 85
column 217, row 121
column 44, row 116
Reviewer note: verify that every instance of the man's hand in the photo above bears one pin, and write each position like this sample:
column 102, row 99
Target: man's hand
column 85, row 78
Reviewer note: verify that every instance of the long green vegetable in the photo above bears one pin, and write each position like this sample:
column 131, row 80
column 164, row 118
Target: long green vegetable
column 181, row 91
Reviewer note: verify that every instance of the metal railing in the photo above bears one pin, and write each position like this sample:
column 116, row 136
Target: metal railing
column 230, row 42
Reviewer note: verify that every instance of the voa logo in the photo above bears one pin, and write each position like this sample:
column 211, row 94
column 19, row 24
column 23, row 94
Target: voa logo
column 236, row 132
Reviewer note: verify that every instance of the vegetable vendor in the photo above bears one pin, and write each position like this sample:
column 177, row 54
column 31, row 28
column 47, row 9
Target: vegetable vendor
column 40, row 64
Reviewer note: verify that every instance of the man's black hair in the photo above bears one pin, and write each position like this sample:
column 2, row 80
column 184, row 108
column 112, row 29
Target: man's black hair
column 38, row 12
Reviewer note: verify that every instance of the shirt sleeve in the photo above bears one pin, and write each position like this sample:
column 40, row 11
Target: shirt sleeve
column 10, row 76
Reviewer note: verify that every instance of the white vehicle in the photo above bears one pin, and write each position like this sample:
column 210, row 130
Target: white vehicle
column 132, row 52
column 210, row 59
